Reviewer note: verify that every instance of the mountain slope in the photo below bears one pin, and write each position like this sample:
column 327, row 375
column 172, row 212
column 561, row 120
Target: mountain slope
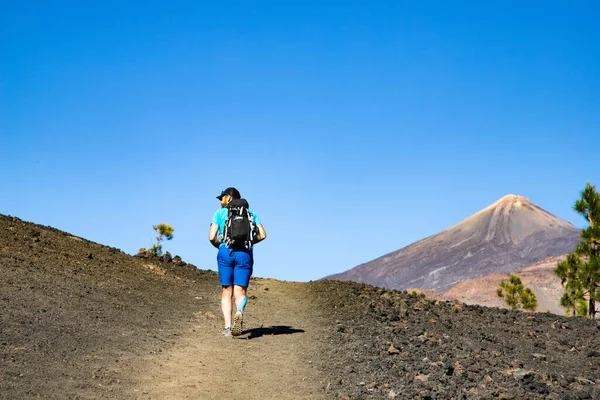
column 539, row 277
column 509, row 234
column 79, row 320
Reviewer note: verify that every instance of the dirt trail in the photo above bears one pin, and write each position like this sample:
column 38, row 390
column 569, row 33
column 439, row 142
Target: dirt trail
column 272, row 359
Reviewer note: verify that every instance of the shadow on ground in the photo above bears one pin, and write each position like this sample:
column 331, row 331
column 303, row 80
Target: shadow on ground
column 272, row 330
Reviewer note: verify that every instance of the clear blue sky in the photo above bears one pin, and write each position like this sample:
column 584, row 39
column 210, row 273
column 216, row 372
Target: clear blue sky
column 354, row 128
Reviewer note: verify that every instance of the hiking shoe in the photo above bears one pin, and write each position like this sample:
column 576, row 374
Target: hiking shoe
column 227, row 332
column 236, row 327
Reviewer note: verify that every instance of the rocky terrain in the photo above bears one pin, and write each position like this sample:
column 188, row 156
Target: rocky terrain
column 509, row 234
column 84, row 321
column 397, row 345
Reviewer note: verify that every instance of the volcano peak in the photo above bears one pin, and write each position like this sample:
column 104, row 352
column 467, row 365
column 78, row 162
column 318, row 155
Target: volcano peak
column 508, row 234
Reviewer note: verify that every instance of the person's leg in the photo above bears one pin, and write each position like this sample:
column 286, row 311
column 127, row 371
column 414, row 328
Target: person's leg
column 225, row 263
column 242, row 272
column 226, row 304
column 239, row 293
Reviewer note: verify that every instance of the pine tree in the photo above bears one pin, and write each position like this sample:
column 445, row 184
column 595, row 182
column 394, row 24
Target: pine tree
column 164, row 231
column 516, row 294
column 580, row 271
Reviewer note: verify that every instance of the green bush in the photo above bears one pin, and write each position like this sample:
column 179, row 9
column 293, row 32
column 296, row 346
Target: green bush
column 164, row 232
column 516, row 294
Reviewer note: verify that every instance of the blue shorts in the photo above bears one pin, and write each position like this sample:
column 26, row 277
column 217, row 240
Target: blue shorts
column 235, row 266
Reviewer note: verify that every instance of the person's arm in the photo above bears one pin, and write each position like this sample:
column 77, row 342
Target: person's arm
column 212, row 235
column 261, row 234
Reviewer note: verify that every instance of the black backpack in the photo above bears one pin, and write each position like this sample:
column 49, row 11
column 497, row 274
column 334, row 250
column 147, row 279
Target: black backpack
column 239, row 226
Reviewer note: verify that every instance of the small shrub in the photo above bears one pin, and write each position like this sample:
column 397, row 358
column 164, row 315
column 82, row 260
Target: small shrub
column 516, row 294
column 164, row 232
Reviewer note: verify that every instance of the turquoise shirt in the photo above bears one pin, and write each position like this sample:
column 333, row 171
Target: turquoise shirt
column 221, row 216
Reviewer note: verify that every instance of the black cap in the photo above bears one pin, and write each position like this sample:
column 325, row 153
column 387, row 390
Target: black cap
column 230, row 191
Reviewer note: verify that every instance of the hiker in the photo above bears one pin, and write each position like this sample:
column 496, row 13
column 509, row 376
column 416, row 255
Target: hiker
column 235, row 257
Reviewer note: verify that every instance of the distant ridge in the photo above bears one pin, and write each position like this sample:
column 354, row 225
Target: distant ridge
column 509, row 234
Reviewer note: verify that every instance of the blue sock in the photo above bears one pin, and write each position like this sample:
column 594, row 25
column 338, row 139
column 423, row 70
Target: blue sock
column 242, row 304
